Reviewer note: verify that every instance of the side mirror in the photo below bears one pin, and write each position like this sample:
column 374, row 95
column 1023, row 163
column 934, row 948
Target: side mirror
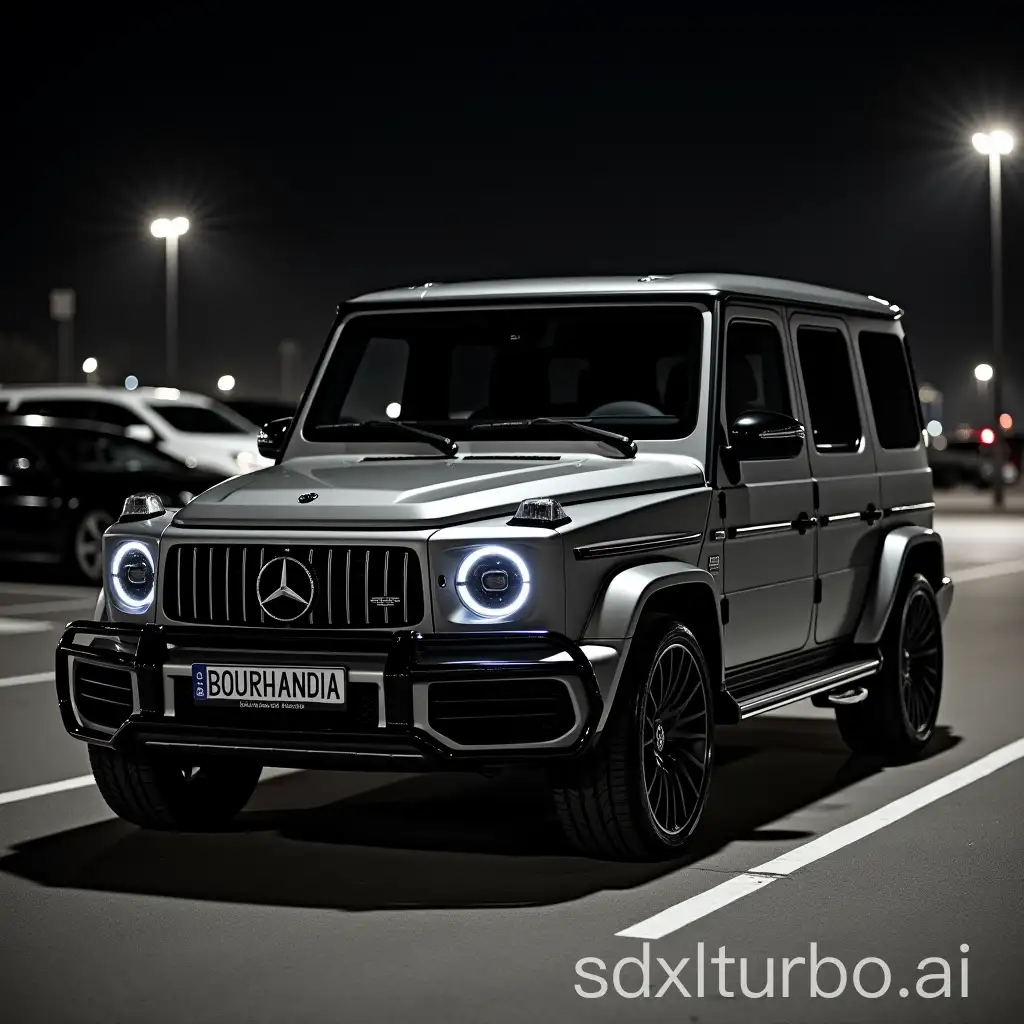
column 760, row 434
column 270, row 442
column 140, row 432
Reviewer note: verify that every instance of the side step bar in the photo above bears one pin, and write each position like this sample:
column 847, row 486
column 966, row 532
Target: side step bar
column 789, row 692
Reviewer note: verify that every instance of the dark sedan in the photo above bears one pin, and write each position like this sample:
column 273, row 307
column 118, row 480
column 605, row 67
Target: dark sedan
column 63, row 482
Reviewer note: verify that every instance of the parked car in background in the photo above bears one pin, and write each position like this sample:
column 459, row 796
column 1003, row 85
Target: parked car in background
column 261, row 410
column 970, row 463
column 188, row 426
column 62, row 483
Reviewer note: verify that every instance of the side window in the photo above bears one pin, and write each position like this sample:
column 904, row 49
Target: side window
column 890, row 388
column 755, row 369
column 16, row 456
column 109, row 412
column 831, row 394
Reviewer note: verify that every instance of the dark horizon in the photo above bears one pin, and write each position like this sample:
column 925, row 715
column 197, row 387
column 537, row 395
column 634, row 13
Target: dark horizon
column 834, row 150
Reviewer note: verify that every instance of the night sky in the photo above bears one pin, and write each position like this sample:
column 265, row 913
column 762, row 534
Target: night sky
column 319, row 159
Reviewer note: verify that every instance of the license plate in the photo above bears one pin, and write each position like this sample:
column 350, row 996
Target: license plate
column 244, row 686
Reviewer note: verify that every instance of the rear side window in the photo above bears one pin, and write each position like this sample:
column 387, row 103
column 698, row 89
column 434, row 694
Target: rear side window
column 831, row 395
column 890, row 388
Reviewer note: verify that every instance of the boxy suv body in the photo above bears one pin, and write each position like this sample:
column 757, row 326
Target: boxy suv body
column 575, row 523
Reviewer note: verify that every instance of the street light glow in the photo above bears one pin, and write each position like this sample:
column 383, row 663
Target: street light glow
column 934, row 428
column 997, row 141
column 90, row 365
column 131, row 382
column 165, row 227
column 983, row 372
column 226, row 383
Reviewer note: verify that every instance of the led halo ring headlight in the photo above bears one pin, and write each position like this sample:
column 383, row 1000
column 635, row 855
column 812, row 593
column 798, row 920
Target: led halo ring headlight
column 133, row 577
column 493, row 582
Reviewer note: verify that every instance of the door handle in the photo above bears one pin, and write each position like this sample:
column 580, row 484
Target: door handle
column 871, row 515
column 804, row 522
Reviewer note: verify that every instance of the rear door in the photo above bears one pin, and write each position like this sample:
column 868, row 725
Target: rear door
column 843, row 467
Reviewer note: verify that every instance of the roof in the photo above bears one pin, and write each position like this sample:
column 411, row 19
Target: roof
column 101, row 390
column 650, row 284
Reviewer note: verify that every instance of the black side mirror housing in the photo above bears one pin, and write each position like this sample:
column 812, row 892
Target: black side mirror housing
column 270, row 442
column 761, row 434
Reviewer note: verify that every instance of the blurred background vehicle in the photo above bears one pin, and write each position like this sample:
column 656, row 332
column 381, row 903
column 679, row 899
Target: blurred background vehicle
column 63, row 482
column 261, row 410
column 966, row 459
column 192, row 427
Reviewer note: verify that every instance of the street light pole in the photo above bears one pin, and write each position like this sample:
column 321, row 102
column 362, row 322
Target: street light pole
column 170, row 230
column 996, row 144
column 171, row 353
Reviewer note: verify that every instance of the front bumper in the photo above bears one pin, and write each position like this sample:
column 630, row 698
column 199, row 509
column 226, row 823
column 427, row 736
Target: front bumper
column 413, row 700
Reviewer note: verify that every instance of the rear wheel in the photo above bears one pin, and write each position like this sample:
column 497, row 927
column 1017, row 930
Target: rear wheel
column 160, row 794
column 639, row 794
column 897, row 719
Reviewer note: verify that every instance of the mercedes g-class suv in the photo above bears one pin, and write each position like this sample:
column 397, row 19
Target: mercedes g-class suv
column 572, row 523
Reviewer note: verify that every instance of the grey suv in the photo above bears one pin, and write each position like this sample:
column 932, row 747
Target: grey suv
column 574, row 523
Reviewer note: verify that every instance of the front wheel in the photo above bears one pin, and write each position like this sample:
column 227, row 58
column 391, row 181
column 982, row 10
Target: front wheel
column 161, row 794
column 639, row 794
column 897, row 719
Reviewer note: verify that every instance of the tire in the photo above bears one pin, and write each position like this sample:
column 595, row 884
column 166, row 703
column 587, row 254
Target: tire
column 159, row 794
column 85, row 555
column 897, row 719
column 639, row 793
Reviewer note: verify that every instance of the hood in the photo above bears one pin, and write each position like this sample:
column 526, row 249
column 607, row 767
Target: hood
column 361, row 491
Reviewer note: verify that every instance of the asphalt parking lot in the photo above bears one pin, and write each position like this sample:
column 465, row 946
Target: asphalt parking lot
column 386, row 897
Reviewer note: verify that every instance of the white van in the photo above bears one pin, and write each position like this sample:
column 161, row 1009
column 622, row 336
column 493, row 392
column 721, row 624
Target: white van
column 192, row 427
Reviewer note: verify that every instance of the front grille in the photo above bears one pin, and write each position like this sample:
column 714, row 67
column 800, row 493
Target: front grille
column 103, row 695
column 490, row 712
column 355, row 587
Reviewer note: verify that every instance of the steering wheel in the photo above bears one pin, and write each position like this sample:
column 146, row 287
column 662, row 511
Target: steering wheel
column 626, row 409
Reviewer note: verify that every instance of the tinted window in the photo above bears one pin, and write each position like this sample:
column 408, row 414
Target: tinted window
column 98, row 452
column 831, row 395
column 17, row 456
column 893, row 405
column 199, row 419
column 755, row 369
column 637, row 368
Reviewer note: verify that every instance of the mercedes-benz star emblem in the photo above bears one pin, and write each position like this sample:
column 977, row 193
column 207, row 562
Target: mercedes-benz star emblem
column 285, row 589
column 305, row 499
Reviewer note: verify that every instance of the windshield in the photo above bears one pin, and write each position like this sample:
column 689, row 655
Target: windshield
column 635, row 369
column 202, row 419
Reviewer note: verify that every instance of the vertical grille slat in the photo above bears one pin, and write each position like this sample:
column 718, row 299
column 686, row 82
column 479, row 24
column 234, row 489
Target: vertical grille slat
column 224, row 594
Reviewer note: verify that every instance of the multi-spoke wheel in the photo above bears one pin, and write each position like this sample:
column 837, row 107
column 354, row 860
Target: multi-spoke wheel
column 640, row 791
column 675, row 739
column 898, row 717
column 163, row 794
column 87, row 544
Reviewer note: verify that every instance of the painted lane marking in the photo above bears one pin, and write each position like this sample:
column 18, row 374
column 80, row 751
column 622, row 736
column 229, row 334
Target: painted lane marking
column 16, row 795
column 48, row 607
column 12, row 627
column 705, row 903
column 984, row 572
column 26, row 680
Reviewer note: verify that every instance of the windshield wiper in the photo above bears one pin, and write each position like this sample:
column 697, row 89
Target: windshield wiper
column 626, row 446
column 443, row 444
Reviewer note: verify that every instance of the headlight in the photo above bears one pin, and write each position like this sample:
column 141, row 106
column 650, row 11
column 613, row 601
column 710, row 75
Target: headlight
column 132, row 577
column 493, row 582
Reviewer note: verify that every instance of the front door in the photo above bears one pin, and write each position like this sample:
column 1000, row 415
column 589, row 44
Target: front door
column 27, row 496
column 768, row 506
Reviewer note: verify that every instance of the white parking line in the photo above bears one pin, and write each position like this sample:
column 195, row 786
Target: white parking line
column 26, row 680
column 12, row 627
column 16, row 795
column 693, row 909
column 49, row 607
column 984, row 572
